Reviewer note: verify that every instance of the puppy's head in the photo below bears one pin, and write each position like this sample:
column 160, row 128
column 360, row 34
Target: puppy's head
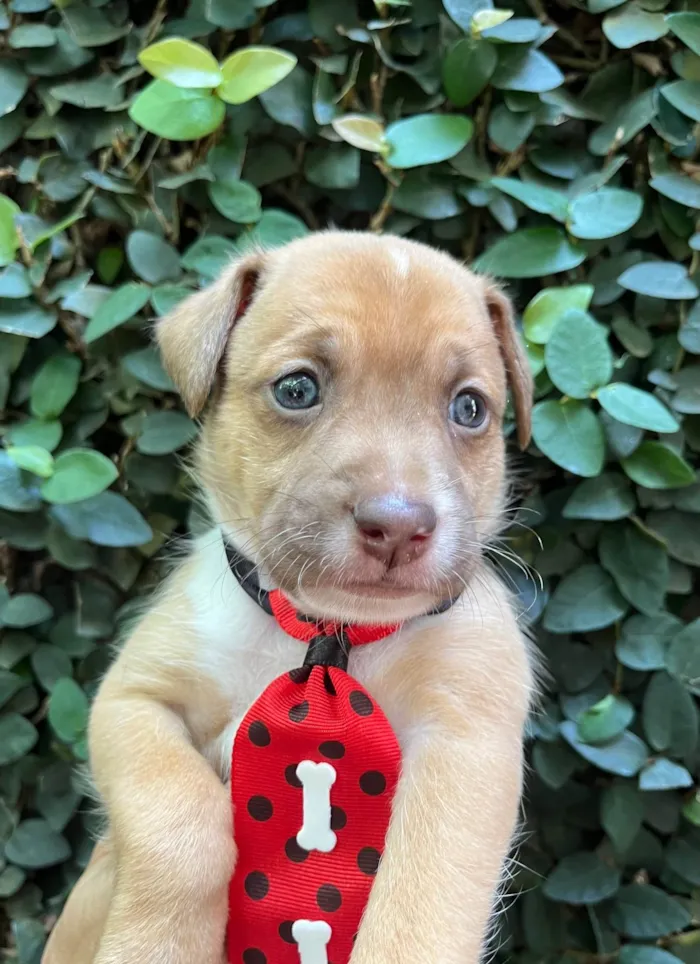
column 353, row 447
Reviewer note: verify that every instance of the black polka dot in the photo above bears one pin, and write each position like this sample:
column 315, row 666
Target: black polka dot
column 332, row 749
column 285, row 931
column 260, row 808
column 328, row 897
column 299, row 712
column 338, row 818
column 329, row 685
column 300, row 674
column 253, row 956
column 258, row 734
column 368, row 860
column 257, row 885
column 290, row 775
column 361, row 703
column 372, row 783
column 295, row 853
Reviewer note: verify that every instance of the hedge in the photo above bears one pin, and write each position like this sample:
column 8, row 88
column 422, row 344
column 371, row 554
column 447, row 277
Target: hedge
column 554, row 145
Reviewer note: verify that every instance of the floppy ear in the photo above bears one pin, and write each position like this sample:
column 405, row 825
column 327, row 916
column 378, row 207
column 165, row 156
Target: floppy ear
column 516, row 362
column 192, row 338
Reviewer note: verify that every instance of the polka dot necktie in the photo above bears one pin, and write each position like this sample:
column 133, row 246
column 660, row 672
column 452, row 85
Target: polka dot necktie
column 314, row 769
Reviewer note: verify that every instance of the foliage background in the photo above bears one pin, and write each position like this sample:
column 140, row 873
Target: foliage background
column 578, row 173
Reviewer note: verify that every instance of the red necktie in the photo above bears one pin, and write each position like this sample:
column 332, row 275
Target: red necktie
column 314, row 769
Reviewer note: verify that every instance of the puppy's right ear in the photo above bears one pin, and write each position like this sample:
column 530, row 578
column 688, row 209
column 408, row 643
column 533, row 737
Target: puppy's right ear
column 192, row 338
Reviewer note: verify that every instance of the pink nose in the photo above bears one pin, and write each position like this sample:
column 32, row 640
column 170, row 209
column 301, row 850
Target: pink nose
column 393, row 529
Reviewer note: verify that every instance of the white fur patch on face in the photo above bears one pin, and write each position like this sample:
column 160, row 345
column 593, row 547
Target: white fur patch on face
column 317, row 780
column 312, row 936
column 402, row 261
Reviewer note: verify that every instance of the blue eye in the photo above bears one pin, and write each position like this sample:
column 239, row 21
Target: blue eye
column 297, row 391
column 468, row 410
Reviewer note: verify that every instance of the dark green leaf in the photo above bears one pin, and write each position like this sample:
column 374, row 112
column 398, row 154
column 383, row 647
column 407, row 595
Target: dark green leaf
column 107, row 520
column 120, row 306
column 467, row 69
column 34, row 844
column 582, row 879
column 604, row 213
column 570, row 435
column 584, row 600
column 54, row 385
column 152, row 258
column 644, row 912
column 656, row 466
column 605, row 499
column 164, row 432
column 634, row 407
column 68, row 711
column 659, row 279
column 17, row 737
column 638, row 564
column 683, row 657
column 577, row 355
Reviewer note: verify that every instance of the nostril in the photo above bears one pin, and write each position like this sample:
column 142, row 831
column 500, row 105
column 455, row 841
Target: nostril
column 420, row 537
column 375, row 534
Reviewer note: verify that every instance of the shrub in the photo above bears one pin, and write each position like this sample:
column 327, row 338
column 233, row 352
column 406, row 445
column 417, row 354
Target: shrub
column 555, row 144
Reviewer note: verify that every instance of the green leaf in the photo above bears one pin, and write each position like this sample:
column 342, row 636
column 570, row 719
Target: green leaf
column 14, row 495
column 604, row 213
column 604, row 499
column 25, row 609
column 534, row 196
column 164, row 432
column 530, row 253
column 632, row 25
column 17, row 737
column 122, row 304
column 686, row 26
column 642, row 643
column 68, row 711
column 684, row 95
column 463, row 11
column 526, row 70
column 584, row 600
column 50, row 663
column 78, row 474
column 107, row 520
column 656, row 466
column 679, row 188
column 13, row 86
column 238, row 201
column 578, row 357
column 426, row 139
column 251, row 71
column 683, row 657
column 581, row 879
column 26, row 318
column 682, row 856
column 34, row 845
column 32, row 35
column 643, row 954
column 638, row 564
column 467, row 69
column 621, row 814
column 360, row 131
column 570, row 435
column 659, row 279
column 605, row 720
column 34, row 431
column 663, row 774
column 148, row 368
column 549, row 305
column 644, row 912
column 54, row 385
column 9, row 239
column 623, row 756
column 32, row 458
column 635, row 407
column 626, row 122
column 181, row 62
column 152, row 258
column 290, row 102
column 681, row 533
column 178, row 113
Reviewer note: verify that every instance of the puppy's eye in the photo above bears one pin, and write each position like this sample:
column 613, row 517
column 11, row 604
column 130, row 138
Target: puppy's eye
column 297, row 391
column 468, row 410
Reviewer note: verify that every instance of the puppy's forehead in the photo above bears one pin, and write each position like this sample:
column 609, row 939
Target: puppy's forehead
column 375, row 295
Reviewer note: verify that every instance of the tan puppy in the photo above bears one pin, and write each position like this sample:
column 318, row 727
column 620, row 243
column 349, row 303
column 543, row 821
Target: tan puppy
column 372, row 503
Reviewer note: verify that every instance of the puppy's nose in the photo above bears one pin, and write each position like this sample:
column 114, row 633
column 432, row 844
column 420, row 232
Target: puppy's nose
column 393, row 529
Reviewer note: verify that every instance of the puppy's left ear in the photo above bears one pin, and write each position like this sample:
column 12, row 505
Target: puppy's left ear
column 516, row 362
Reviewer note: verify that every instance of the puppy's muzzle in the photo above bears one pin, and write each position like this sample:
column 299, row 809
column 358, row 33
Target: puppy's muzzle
column 393, row 529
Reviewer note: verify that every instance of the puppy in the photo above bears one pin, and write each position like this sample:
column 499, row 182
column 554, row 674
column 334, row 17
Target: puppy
column 353, row 451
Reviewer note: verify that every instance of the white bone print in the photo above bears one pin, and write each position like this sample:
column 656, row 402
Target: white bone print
column 317, row 780
column 312, row 936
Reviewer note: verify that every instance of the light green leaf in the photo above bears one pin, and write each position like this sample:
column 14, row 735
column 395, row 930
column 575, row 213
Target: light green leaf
column 78, row 474
column 182, row 62
column 68, row 711
column 530, row 253
column 467, row 69
column 34, row 845
column 147, row 366
column 545, row 200
column 32, row 458
column 152, row 258
column 123, row 303
column 659, row 279
column 584, row 600
column 165, row 432
column 570, row 435
column 632, row 25
column 54, row 385
column 252, row 70
column 605, row 720
column 581, row 878
column 549, row 305
column 178, row 113
column 426, row 139
column 107, row 520
column 360, row 131
column 25, row 609
column 604, row 213
column 663, row 774
column 623, row 756
column 34, row 431
column 644, row 912
column 527, row 70
column 684, row 95
column 656, row 466
column 9, row 239
column 635, row 407
column 238, row 201
column 604, row 499
column 578, row 357
column 679, row 188
column 686, row 26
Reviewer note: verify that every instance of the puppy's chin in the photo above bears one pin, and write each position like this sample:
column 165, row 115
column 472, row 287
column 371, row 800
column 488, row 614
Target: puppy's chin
column 363, row 605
